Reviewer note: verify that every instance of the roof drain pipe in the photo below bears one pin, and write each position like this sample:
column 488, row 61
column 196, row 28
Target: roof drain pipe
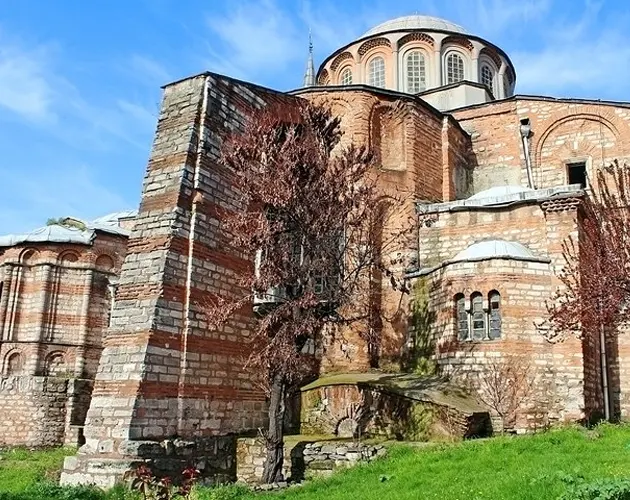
column 526, row 132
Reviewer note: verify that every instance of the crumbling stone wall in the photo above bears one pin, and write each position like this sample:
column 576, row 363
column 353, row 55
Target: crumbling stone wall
column 303, row 459
column 39, row 411
column 349, row 411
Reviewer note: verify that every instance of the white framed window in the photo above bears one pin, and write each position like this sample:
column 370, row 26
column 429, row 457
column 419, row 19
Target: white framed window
column 346, row 77
column 455, row 71
column 376, row 72
column 416, row 72
column 487, row 77
column 494, row 315
column 461, row 317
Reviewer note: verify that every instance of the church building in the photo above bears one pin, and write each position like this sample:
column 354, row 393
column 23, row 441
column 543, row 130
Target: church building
column 496, row 179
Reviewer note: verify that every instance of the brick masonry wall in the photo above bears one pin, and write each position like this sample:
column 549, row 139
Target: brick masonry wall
column 563, row 131
column 419, row 152
column 565, row 375
column 54, row 304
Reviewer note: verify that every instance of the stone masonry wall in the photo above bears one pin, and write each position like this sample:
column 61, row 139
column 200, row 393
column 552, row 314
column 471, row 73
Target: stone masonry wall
column 303, row 459
column 163, row 374
column 34, row 411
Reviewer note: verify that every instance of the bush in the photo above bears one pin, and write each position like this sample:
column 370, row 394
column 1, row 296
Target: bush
column 603, row 489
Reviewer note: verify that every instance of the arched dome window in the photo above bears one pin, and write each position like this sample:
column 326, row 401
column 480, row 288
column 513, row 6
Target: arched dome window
column 416, row 72
column 487, row 77
column 454, row 68
column 346, row 77
column 376, row 72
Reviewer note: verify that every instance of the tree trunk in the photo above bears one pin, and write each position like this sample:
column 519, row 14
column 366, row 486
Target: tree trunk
column 274, row 439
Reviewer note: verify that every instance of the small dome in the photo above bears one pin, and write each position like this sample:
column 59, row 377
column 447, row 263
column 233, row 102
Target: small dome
column 415, row 23
column 499, row 192
column 495, row 249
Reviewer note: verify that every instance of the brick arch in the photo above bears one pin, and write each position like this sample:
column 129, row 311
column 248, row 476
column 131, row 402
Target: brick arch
column 341, row 58
column 387, row 136
column 373, row 43
column 492, row 55
column 105, row 262
column 28, row 256
column 55, row 364
column 459, row 41
column 13, row 363
column 324, row 77
column 605, row 119
column 416, row 37
column 68, row 257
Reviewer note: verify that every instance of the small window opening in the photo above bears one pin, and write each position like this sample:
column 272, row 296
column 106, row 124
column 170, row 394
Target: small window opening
column 576, row 173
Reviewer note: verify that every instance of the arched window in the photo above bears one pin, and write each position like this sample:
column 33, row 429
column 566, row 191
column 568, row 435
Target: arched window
column 454, row 68
column 346, row 77
column 494, row 299
column 376, row 72
column 55, row 365
column 13, row 364
column 478, row 317
column 487, row 77
column 416, row 72
column 461, row 317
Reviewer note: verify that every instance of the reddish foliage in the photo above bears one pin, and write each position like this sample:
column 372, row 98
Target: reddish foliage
column 311, row 213
column 596, row 273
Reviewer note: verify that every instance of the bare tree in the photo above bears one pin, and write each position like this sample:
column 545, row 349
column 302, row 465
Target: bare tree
column 311, row 216
column 593, row 299
column 505, row 385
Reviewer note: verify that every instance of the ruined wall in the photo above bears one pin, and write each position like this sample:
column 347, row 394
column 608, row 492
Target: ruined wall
column 303, row 459
column 37, row 411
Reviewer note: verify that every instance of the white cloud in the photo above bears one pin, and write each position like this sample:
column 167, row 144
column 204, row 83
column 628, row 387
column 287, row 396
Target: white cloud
column 148, row 70
column 495, row 17
column 257, row 38
column 584, row 57
column 24, row 85
column 60, row 191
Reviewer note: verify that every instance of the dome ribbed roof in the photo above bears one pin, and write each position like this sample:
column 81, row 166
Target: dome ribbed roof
column 415, row 22
column 495, row 249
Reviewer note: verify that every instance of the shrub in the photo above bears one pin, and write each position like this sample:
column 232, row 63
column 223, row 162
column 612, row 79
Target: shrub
column 603, row 489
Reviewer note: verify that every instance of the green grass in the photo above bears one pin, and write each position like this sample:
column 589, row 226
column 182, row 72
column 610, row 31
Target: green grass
column 531, row 467
column 20, row 468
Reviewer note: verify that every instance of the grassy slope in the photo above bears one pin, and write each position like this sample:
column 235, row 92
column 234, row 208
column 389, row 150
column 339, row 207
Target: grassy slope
column 532, row 467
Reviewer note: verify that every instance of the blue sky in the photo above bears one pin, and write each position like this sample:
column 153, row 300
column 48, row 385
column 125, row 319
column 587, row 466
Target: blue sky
column 80, row 79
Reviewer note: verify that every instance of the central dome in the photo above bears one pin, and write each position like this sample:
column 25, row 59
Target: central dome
column 415, row 23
